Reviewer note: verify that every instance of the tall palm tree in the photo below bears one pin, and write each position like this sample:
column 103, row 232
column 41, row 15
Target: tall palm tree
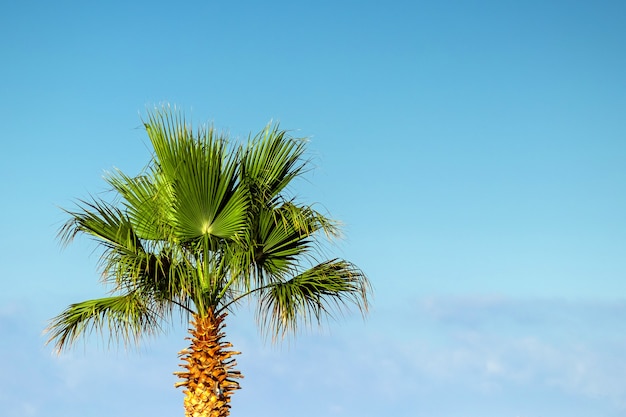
column 205, row 227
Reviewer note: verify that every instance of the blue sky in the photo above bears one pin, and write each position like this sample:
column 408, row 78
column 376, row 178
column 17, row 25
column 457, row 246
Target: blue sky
column 473, row 149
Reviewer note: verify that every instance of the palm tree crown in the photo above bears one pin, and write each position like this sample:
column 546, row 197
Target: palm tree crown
column 204, row 227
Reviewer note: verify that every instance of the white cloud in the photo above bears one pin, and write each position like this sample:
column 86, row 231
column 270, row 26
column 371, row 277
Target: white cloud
column 435, row 357
column 494, row 356
column 493, row 345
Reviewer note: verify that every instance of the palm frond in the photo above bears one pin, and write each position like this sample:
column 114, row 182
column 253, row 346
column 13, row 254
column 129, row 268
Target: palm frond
column 127, row 262
column 312, row 296
column 147, row 201
column 102, row 221
column 125, row 317
column 308, row 220
column 270, row 162
column 203, row 177
column 284, row 236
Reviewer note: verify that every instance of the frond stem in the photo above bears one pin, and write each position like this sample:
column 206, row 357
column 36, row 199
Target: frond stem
column 184, row 307
column 234, row 300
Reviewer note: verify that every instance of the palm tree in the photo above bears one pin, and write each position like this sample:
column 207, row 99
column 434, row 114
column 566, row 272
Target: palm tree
column 202, row 229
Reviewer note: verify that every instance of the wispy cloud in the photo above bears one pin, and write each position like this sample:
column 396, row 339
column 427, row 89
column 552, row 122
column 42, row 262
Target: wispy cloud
column 450, row 356
column 434, row 356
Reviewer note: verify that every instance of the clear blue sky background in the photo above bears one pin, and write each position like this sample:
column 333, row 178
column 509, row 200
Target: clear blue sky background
column 475, row 151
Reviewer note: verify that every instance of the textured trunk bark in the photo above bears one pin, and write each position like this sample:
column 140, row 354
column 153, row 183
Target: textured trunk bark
column 208, row 377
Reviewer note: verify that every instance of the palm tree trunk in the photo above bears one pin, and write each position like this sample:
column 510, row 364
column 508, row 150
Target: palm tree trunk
column 208, row 378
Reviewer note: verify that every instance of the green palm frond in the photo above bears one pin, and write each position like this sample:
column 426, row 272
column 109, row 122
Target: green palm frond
column 125, row 317
column 309, row 220
column 312, row 296
column 270, row 162
column 147, row 201
column 283, row 237
column 127, row 262
column 103, row 222
column 280, row 238
column 203, row 177
column 273, row 247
